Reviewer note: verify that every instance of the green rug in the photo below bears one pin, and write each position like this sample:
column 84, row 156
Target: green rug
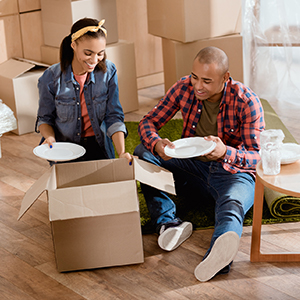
column 201, row 216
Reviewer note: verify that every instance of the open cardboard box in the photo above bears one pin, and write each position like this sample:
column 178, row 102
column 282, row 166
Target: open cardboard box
column 18, row 89
column 94, row 210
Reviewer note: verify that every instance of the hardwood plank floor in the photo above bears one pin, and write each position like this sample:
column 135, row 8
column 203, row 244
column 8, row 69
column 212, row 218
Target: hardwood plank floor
column 27, row 263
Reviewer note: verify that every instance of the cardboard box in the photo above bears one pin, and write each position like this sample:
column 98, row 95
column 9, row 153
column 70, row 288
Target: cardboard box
column 122, row 55
column 94, row 210
column 18, row 89
column 32, row 35
column 50, row 55
column 178, row 57
column 191, row 20
column 29, row 5
column 58, row 17
column 10, row 37
column 8, row 7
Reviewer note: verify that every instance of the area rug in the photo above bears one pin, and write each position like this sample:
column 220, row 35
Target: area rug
column 201, row 216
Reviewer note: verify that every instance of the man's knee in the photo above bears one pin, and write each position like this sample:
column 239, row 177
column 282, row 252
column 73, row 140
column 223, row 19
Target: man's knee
column 139, row 151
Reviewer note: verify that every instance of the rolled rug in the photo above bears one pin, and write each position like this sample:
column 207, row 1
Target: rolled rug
column 281, row 205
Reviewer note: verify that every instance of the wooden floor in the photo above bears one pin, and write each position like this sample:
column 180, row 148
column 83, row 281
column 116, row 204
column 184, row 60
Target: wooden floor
column 27, row 265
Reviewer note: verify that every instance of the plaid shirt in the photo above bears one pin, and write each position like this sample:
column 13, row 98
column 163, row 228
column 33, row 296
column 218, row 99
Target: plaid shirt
column 240, row 121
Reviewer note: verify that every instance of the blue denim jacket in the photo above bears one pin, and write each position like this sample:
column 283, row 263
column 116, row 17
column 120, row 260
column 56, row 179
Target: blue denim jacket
column 59, row 105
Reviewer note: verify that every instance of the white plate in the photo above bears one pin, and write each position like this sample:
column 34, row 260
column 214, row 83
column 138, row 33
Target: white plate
column 290, row 153
column 190, row 147
column 59, row 151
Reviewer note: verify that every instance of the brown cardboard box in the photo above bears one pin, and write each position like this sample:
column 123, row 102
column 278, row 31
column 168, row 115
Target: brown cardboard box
column 59, row 15
column 122, row 55
column 94, row 210
column 191, row 20
column 178, row 57
column 8, row 7
column 32, row 35
column 10, row 37
column 50, row 55
column 18, row 89
column 29, row 5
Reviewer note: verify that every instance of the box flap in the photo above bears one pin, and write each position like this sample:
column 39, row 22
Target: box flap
column 93, row 172
column 12, row 68
column 33, row 62
column 154, row 176
column 42, row 184
column 93, row 200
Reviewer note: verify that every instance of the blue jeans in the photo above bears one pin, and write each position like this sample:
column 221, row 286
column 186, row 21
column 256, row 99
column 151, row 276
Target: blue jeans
column 205, row 181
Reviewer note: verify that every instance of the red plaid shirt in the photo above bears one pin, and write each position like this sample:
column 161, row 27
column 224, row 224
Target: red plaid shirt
column 240, row 121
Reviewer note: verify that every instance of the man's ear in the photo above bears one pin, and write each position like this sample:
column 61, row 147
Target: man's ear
column 226, row 76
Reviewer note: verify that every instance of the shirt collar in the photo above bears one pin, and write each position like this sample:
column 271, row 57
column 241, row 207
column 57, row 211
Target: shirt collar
column 70, row 76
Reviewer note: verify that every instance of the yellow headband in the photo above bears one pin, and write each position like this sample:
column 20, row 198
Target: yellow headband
column 84, row 30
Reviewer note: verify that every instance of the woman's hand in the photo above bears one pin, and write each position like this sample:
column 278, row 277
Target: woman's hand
column 49, row 140
column 128, row 156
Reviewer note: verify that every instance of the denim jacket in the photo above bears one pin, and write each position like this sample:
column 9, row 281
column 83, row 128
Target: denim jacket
column 59, row 105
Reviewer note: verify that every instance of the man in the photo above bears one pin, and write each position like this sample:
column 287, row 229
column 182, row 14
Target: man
column 215, row 107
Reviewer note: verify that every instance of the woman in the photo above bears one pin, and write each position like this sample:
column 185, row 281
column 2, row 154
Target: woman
column 79, row 97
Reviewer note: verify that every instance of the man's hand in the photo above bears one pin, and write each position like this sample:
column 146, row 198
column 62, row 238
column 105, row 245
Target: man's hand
column 220, row 149
column 159, row 148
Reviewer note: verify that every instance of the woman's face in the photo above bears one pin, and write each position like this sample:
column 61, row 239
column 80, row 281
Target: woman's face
column 88, row 52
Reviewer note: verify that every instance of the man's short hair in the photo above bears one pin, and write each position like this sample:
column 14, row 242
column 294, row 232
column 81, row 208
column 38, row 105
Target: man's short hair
column 211, row 55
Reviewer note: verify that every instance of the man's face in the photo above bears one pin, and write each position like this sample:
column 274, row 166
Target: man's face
column 208, row 81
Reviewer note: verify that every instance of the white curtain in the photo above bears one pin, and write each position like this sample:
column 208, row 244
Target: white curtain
column 271, row 34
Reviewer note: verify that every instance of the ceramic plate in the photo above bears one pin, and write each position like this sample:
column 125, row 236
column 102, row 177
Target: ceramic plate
column 59, row 151
column 290, row 152
column 190, row 147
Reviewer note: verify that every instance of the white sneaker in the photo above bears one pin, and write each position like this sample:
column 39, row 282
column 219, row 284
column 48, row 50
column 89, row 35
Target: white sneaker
column 222, row 253
column 172, row 237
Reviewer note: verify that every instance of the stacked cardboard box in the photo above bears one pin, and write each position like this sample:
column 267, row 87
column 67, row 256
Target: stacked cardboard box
column 34, row 29
column 187, row 26
column 10, row 31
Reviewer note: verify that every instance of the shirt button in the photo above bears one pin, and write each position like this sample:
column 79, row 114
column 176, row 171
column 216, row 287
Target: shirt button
column 78, row 133
column 199, row 110
column 193, row 126
column 255, row 137
column 77, row 103
column 225, row 160
column 77, row 88
column 229, row 161
column 78, row 119
column 231, row 130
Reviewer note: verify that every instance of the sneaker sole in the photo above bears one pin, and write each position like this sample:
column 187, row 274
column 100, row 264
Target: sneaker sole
column 222, row 253
column 173, row 237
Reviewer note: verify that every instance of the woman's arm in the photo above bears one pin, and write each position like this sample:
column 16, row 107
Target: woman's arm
column 119, row 142
column 48, row 133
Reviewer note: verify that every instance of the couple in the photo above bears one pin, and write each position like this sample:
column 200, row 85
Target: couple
column 79, row 103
